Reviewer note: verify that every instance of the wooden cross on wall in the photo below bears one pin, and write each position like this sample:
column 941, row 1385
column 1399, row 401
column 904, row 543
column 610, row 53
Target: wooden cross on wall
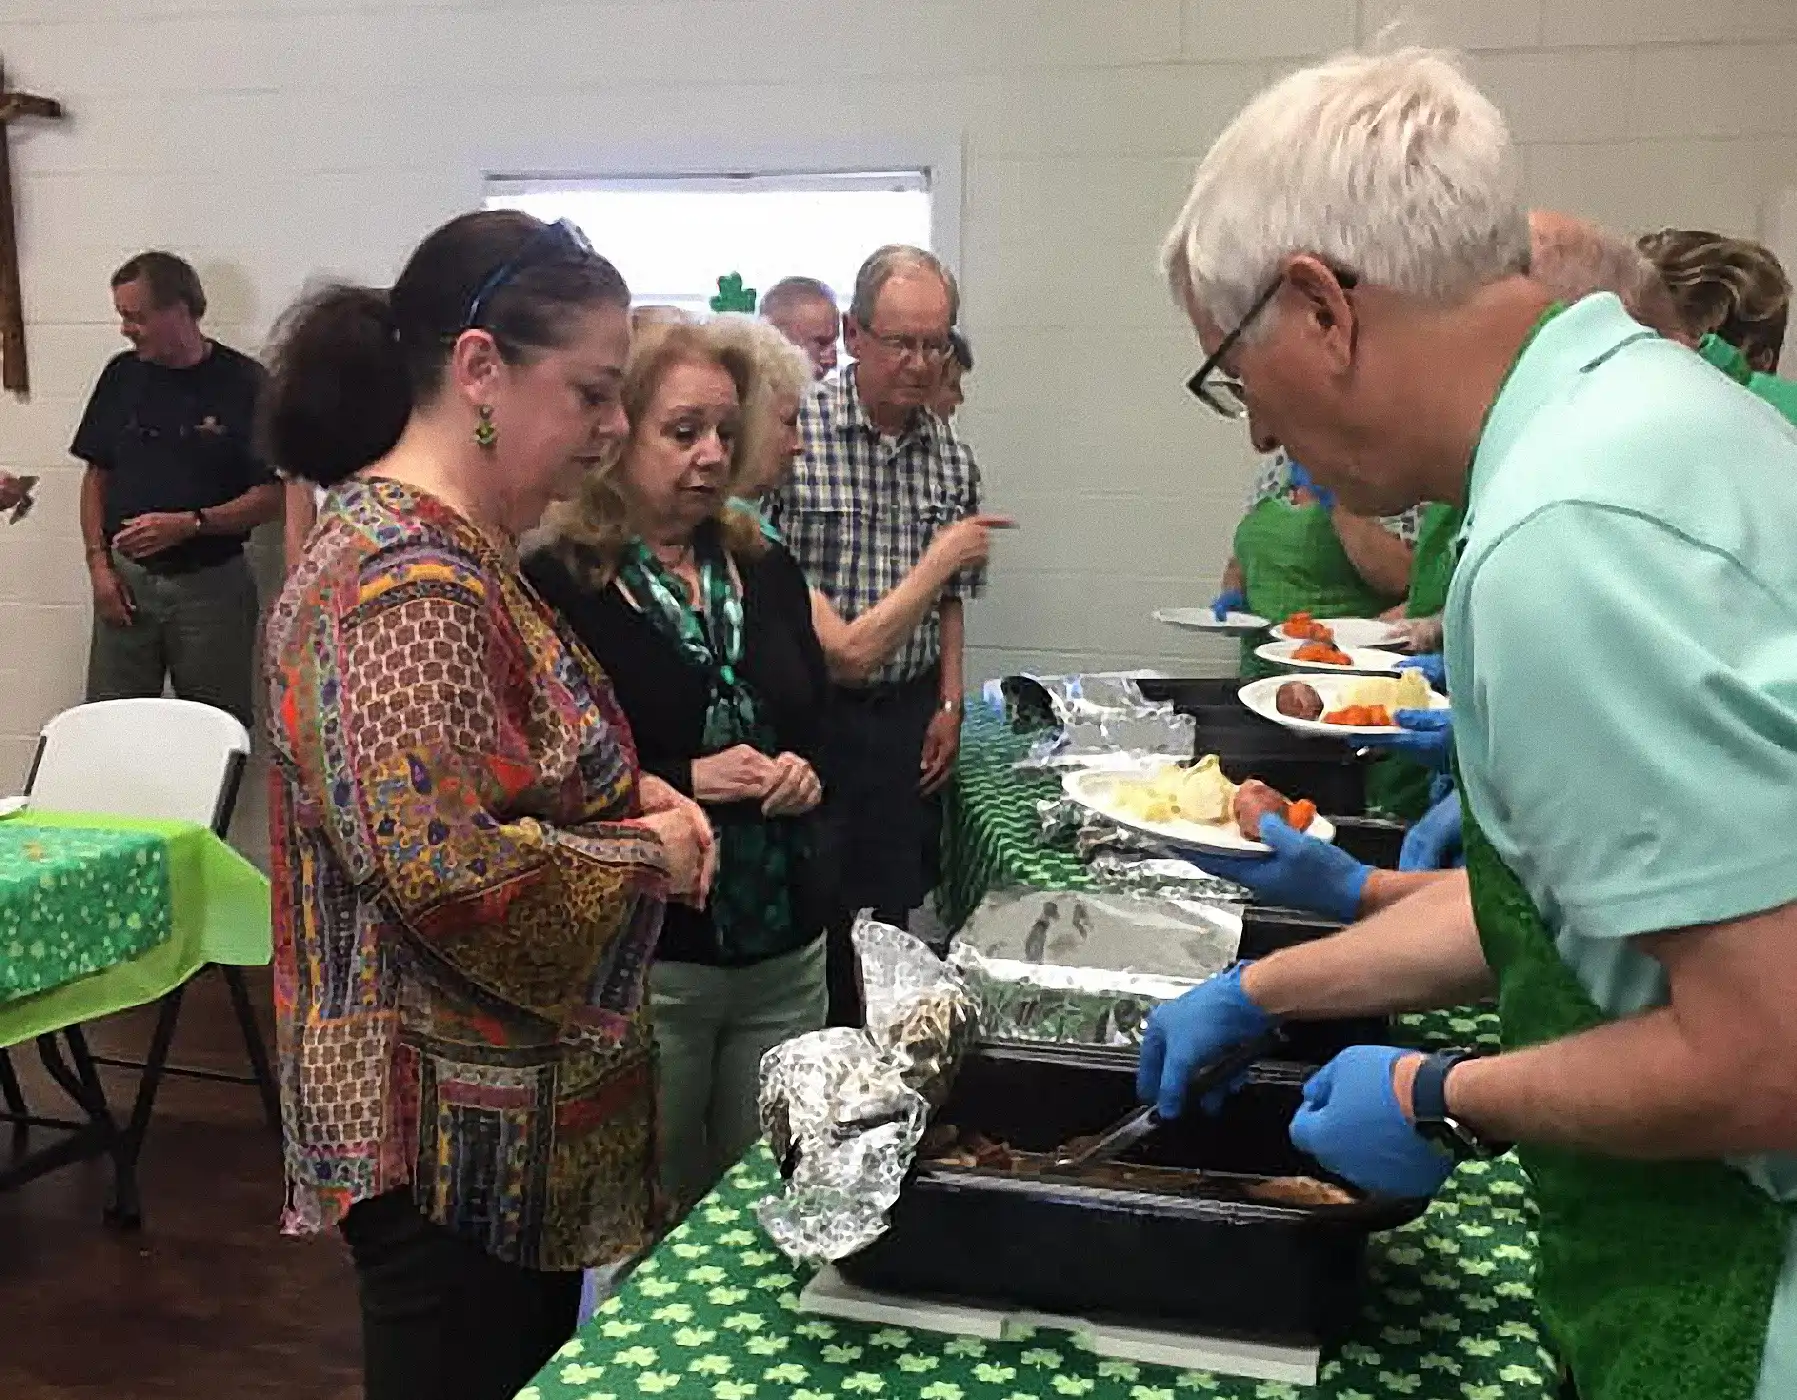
column 13, row 372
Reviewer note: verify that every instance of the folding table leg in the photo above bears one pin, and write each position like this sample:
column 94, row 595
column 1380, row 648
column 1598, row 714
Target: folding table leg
column 154, row 1062
column 82, row 1084
column 253, row 1044
column 126, row 1207
column 15, row 1103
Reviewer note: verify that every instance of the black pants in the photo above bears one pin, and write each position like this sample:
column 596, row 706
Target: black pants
column 886, row 831
column 441, row 1318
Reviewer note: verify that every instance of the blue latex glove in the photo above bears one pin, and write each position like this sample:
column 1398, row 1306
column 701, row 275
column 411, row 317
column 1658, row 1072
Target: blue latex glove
column 1350, row 1121
column 1299, row 480
column 1302, row 872
column 1184, row 1035
column 1228, row 601
column 1428, row 737
column 1434, row 842
column 1432, row 664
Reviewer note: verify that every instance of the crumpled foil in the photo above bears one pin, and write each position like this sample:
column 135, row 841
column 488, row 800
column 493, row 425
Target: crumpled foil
column 1032, row 701
column 1090, row 718
column 844, row 1109
column 918, row 1012
column 1164, row 878
column 1058, row 820
column 1084, row 967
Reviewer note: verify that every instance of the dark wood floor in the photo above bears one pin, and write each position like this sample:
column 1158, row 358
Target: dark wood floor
column 208, row 1299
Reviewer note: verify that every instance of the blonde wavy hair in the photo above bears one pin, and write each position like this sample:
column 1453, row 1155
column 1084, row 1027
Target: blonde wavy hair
column 1733, row 287
column 778, row 370
column 592, row 531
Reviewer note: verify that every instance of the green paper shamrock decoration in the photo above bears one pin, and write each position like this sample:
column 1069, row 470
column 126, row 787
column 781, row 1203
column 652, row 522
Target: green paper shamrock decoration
column 733, row 296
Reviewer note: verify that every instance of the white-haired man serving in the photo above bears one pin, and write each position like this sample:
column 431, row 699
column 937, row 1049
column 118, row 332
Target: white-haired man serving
column 1622, row 652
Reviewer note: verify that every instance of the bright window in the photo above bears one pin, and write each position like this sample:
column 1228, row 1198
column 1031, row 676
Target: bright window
column 673, row 236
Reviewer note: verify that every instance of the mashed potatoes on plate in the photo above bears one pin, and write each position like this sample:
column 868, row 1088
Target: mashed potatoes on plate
column 1200, row 793
column 1405, row 691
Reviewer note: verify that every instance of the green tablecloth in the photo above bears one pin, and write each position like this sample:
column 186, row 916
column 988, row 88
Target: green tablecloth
column 211, row 905
column 990, row 828
column 713, row 1315
column 75, row 901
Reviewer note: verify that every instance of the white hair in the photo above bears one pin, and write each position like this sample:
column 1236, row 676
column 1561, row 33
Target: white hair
column 777, row 369
column 1391, row 166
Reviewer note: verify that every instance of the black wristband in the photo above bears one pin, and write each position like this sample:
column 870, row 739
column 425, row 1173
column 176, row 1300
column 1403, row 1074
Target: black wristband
column 1429, row 1109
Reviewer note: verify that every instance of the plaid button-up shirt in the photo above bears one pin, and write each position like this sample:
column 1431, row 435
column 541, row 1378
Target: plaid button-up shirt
column 861, row 508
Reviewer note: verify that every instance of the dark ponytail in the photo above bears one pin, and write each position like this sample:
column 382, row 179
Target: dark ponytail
column 338, row 393
column 348, row 364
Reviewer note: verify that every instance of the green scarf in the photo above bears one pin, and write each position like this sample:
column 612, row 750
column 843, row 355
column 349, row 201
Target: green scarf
column 751, row 903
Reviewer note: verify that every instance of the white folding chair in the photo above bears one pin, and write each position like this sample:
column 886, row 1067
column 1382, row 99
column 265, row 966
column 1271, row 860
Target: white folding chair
column 177, row 760
column 173, row 759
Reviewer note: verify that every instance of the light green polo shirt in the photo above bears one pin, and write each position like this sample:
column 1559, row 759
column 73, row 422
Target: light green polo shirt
column 1622, row 658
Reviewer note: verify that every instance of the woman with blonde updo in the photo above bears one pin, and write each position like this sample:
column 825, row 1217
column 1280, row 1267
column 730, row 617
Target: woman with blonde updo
column 1735, row 300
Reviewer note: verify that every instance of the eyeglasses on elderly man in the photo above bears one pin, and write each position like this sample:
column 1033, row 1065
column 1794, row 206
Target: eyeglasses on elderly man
column 1222, row 393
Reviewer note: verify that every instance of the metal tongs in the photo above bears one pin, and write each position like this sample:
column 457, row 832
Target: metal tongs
column 1138, row 1123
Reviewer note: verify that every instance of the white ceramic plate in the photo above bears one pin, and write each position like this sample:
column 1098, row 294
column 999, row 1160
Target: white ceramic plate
column 1262, row 697
column 1236, row 624
column 1096, row 792
column 9, row 805
column 1365, row 661
column 1351, row 632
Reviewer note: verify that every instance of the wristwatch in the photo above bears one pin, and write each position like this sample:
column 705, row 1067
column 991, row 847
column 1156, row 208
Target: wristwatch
column 199, row 522
column 949, row 707
column 1429, row 1108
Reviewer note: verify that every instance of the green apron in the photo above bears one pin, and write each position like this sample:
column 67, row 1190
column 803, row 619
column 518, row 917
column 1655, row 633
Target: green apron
column 1780, row 393
column 1397, row 786
column 1432, row 564
column 1655, row 1279
column 1291, row 561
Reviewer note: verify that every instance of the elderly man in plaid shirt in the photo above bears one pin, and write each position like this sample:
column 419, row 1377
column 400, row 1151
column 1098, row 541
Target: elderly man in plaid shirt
column 879, row 475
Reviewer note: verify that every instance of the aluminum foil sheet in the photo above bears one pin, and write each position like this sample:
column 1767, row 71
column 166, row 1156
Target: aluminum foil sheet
column 844, row 1109
column 844, row 1126
column 1085, row 967
column 1163, row 878
column 1031, row 701
column 918, row 1011
column 1058, row 820
column 1092, row 718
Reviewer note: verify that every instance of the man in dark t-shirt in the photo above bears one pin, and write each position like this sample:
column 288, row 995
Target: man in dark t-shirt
column 173, row 488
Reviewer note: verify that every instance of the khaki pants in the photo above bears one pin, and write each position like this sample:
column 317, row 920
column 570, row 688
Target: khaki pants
column 197, row 630
column 712, row 1026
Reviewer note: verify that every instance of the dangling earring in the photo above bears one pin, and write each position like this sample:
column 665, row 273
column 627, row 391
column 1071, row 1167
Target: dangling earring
column 485, row 434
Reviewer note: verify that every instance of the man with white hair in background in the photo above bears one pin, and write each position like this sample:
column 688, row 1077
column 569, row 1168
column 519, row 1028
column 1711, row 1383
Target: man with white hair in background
column 1353, row 259
column 804, row 310
column 879, row 475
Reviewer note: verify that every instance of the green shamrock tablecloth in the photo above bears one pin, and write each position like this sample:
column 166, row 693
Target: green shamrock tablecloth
column 74, row 901
column 102, row 913
column 713, row 1315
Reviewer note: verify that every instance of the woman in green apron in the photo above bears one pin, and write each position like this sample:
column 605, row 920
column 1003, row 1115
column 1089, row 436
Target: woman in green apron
column 1290, row 556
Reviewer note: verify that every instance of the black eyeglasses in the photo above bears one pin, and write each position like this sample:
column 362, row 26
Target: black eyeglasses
column 561, row 241
column 1222, row 393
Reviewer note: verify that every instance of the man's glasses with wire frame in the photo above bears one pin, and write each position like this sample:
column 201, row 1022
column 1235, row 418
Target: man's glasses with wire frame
column 1222, row 393
column 561, row 241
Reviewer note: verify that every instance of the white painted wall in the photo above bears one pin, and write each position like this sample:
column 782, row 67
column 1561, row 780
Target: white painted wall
column 273, row 140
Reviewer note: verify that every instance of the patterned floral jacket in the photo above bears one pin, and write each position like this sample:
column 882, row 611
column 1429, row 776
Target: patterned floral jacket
column 462, row 923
